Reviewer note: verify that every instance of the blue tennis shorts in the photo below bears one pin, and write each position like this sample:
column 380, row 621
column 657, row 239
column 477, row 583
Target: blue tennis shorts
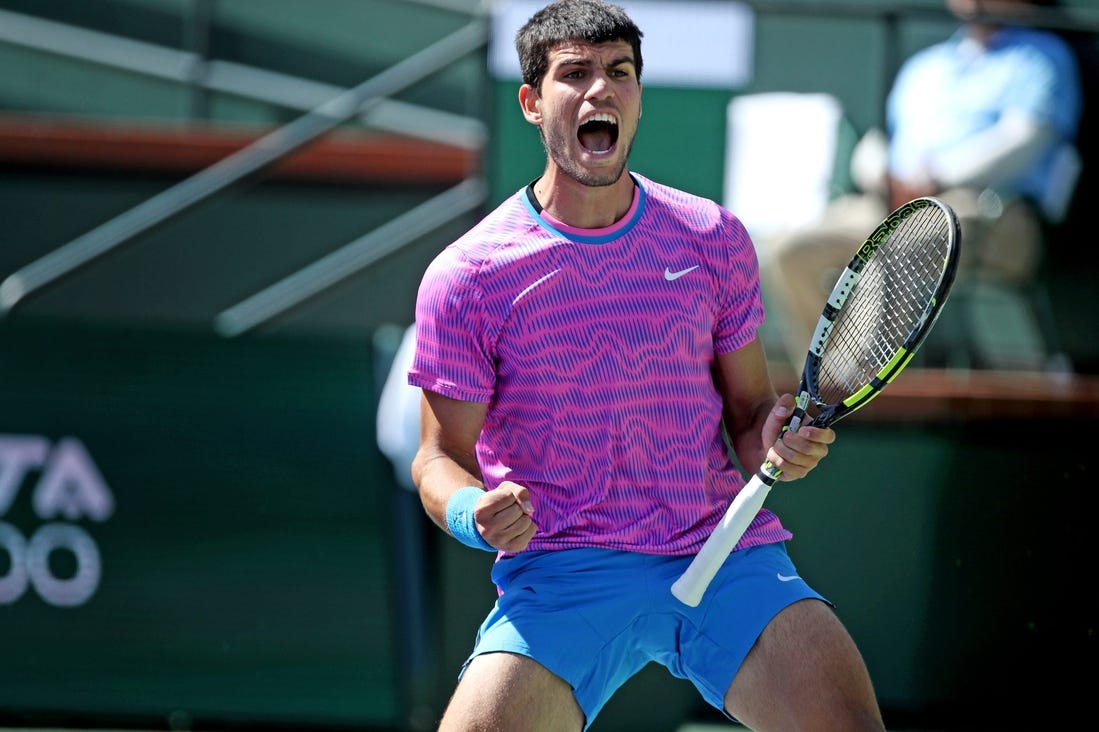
column 595, row 617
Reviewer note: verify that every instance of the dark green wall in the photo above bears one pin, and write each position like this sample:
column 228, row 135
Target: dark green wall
column 245, row 563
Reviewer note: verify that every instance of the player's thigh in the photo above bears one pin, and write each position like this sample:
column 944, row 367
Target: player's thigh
column 505, row 691
column 804, row 673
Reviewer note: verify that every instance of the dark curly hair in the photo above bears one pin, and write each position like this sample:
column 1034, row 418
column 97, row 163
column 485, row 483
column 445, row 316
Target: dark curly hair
column 591, row 21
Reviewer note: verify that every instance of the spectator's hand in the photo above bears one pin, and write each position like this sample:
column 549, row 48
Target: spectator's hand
column 504, row 518
column 901, row 192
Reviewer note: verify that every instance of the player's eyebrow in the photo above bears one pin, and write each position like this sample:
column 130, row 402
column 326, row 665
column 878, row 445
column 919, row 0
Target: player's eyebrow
column 578, row 61
column 621, row 61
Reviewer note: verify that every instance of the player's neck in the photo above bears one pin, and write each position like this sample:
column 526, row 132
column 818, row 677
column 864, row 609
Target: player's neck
column 583, row 206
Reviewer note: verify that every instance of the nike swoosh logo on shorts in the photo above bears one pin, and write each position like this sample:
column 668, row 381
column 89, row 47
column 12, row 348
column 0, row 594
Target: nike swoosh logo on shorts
column 669, row 275
column 784, row 578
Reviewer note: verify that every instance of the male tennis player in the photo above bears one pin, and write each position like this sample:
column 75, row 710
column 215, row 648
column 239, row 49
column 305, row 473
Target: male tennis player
column 580, row 352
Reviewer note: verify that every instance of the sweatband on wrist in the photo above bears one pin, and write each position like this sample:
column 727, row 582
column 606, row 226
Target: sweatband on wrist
column 460, row 519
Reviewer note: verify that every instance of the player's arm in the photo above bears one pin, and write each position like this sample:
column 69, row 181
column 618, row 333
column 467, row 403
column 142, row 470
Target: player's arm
column 448, row 478
column 754, row 416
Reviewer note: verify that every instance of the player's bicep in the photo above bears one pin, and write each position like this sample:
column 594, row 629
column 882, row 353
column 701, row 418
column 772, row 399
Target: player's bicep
column 450, row 428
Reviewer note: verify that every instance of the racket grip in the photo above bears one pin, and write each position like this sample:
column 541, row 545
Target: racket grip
column 692, row 584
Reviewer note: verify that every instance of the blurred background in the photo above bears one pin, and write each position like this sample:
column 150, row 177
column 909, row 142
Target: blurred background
column 213, row 219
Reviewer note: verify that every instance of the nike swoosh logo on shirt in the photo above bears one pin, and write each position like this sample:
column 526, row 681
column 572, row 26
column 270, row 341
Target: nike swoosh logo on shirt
column 669, row 275
column 784, row 578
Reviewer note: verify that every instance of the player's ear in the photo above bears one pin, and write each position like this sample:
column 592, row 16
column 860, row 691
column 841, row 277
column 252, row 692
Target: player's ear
column 530, row 102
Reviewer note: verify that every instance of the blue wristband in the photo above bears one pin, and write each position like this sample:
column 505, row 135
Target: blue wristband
column 460, row 520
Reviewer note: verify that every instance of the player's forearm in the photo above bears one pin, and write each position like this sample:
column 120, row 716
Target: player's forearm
column 437, row 476
column 747, row 440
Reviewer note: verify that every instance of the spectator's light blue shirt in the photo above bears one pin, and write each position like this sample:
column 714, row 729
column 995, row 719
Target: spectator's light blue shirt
column 951, row 90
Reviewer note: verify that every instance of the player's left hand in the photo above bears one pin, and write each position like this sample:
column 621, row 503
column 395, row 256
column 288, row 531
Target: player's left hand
column 795, row 453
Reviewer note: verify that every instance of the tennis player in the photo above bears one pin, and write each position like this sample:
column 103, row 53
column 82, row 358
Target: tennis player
column 584, row 351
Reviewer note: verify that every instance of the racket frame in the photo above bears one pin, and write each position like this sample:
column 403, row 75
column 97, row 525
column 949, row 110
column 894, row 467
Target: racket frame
column 845, row 287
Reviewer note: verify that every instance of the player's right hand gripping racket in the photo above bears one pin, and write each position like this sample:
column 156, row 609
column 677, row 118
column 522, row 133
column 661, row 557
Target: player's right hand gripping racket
column 878, row 314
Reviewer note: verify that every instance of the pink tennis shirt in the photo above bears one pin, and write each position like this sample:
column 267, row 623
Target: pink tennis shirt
column 593, row 350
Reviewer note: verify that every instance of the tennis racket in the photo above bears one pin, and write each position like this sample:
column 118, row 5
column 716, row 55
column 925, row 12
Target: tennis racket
column 878, row 314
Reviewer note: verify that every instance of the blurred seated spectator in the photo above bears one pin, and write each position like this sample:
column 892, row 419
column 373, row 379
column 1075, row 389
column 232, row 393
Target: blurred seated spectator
column 986, row 121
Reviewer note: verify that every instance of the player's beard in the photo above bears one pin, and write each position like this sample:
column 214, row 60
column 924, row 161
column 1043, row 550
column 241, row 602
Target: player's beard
column 555, row 144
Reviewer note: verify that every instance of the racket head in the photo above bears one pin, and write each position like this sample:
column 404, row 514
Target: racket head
column 881, row 309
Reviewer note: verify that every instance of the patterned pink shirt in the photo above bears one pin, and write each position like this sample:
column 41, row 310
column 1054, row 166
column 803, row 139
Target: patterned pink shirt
column 593, row 349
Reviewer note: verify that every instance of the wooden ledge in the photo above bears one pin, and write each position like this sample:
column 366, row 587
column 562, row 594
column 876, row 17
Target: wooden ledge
column 951, row 395
column 145, row 147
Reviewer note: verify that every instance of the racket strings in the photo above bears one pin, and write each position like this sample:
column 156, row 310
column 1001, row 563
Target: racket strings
column 888, row 305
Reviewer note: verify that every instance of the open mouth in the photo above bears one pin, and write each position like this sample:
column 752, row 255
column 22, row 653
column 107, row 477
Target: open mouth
column 598, row 134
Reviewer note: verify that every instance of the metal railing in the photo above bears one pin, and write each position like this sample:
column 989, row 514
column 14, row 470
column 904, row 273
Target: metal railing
column 333, row 106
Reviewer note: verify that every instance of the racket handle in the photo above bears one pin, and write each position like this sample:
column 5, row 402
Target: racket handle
column 692, row 584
